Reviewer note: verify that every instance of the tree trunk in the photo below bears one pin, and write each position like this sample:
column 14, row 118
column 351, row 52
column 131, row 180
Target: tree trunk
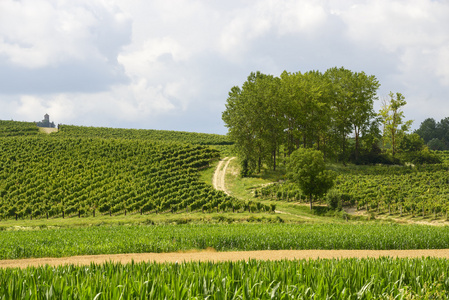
column 310, row 199
column 356, row 131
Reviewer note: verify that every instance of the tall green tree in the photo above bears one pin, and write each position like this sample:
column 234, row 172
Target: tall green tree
column 306, row 109
column 352, row 98
column 392, row 115
column 307, row 168
column 435, row 134
column 252, row 117
column 427, row 130
column 442, row 128
column 341, row 94
column 240, row 129
column 362, row 111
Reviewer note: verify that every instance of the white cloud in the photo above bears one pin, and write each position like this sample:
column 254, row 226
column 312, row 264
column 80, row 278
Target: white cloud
column 415, row 31
column 156, row 64
column 55, row 40
column 33, row 108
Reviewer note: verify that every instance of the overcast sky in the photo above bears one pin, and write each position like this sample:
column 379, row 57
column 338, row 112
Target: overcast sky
column 170, row 64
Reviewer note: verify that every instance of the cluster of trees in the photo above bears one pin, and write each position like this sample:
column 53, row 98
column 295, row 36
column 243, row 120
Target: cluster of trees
column 435, row 134
column 332, row 112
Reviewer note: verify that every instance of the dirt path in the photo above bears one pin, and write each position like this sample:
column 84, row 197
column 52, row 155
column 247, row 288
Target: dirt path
column 48, row 130
column 222, row 256
column 220, row 173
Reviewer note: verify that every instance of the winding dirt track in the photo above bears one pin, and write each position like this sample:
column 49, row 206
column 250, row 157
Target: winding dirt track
column 220, row 173
column 221, row 256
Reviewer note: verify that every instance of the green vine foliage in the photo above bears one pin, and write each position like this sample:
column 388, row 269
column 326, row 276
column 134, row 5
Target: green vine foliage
column 421, row 190
column 14, row 128
column 60, row 175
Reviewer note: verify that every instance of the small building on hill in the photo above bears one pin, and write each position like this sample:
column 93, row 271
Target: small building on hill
column 46, row 122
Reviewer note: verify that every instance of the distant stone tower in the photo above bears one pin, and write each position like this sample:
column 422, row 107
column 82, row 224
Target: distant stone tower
column 46, row 122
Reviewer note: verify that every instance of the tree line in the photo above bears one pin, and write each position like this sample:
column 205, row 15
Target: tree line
column 435, row 134
column 333, row 112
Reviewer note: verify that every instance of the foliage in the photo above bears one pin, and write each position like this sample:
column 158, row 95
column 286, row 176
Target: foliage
column 144, row 134
column 334, row 200
column 269, row 116
column 393, row 121
column 273, row 235
column 419, row 190
column 14, row 128
column 50, row 176
column 424, row 156
column 307, row 168
column 368, row 278
column 435, row 134
column 411, row 143
column 437, row 144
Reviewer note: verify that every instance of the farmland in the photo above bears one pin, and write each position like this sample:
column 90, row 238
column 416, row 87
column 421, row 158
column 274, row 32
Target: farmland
column 405, row 191
column 11, row 128
column 221, row 237
column 85, row 191
column 56, row 176
column 340, row 279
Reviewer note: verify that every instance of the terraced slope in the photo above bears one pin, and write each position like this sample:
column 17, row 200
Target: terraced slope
column 58, row 176
column 14, row 128
column 145, row 134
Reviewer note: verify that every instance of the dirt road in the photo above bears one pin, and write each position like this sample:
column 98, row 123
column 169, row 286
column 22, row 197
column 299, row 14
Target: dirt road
column 48, row 130
column 222, row 256
column 220, row 173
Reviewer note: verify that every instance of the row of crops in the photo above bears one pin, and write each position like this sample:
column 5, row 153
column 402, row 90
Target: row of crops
column 222, row 237
column 405, row 190
column 385, row 278
column 145, row 134
column 420, row 191
column 13, row 128
column 51, row 176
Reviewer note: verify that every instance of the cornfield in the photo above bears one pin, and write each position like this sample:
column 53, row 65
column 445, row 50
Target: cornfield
column 302, row 279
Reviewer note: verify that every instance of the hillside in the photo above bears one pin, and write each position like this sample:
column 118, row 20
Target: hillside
column 145, row 134
column 14, row 128
column 80, row 171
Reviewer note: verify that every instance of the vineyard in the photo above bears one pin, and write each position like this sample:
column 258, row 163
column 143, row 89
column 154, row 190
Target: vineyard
column 404, row 190
column 86, row 171
column 56, row 176
column 145, row 134
column 13, row 128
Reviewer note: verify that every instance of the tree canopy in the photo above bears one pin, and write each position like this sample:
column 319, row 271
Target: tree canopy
column 269, row 116
column 307, row 168
column 435, row 134
column 392, row 117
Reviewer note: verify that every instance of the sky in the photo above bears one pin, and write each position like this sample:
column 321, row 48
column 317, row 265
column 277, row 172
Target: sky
column 158, row 64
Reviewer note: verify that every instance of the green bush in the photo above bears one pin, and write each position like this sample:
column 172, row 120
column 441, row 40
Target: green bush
column 334, row 199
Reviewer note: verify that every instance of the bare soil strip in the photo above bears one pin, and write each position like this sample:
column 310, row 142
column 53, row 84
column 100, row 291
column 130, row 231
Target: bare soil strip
column 220, row 173
column 222, row 256
column 48, row 130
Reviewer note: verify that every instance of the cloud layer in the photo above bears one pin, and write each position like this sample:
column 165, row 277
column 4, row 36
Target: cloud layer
column 170, row 64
